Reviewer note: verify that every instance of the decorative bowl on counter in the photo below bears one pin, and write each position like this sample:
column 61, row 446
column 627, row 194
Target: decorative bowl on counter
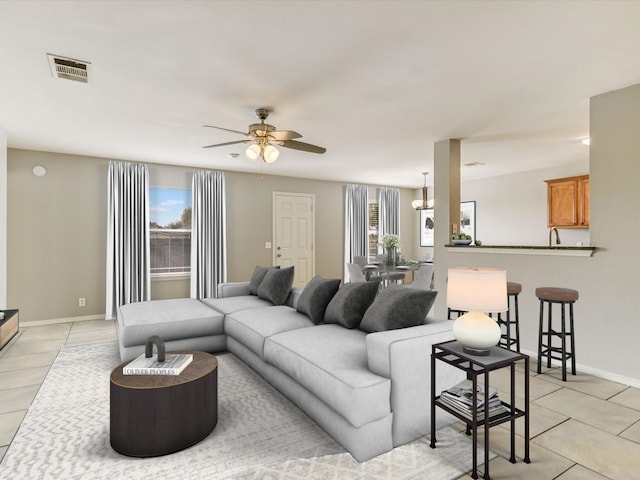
column 461, row 242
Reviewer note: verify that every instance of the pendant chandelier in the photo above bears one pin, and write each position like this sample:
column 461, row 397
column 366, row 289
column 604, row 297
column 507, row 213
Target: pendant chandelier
column 424, row 203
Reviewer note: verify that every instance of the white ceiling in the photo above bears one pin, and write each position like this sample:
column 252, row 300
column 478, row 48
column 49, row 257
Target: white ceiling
column 375, row 82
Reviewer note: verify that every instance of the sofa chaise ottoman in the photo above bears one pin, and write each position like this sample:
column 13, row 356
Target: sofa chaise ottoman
column 182, row 323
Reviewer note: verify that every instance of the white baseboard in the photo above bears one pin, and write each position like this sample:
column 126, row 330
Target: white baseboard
column 53, row 321
column 614, row 377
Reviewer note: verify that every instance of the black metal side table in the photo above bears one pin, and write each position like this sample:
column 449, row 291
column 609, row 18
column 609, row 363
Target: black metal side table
column 452, row 353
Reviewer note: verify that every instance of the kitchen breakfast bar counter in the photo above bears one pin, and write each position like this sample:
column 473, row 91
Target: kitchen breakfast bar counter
column 568, row 251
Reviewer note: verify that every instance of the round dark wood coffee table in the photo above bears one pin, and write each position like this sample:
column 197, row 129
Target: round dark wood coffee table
column 154, row 415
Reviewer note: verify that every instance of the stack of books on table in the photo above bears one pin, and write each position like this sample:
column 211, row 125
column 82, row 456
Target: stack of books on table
column 174, row 364
column 460, row 399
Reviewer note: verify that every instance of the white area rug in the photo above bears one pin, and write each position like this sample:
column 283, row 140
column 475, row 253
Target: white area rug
column 260, row 435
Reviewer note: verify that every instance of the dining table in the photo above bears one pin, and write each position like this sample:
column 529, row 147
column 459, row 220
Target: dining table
column 386, row 270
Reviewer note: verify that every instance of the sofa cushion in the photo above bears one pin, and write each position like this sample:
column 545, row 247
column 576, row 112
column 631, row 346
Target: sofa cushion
column 316, row 296
column 350, row 302
column 331, row 362
column 257, row 278
column 398, row 307
column 251, row 327
column 276, row 285
column 172, row 319
column 235, row 304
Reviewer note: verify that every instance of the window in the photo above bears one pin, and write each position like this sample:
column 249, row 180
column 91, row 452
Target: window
column 170, row 230
column 373, row 231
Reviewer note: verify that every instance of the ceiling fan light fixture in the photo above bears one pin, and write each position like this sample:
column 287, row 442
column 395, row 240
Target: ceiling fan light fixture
column 253, row 152
column 263, row 139
column 270, row 154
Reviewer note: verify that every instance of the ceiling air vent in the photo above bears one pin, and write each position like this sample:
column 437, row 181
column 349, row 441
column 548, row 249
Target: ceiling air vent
column 473, row 164
column 68, row 68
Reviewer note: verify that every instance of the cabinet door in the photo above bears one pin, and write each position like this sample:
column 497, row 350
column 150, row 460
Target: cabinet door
column 561, row 203
column 583, row 202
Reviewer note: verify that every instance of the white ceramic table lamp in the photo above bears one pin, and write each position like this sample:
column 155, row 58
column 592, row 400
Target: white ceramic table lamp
column 477, row 291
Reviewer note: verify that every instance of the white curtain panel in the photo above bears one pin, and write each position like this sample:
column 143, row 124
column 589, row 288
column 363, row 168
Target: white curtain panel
column 389, row 211
column 356, row 218
column 208, row 233
column 128, row 263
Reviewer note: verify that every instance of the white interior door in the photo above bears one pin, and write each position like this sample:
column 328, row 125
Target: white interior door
column 294, row 234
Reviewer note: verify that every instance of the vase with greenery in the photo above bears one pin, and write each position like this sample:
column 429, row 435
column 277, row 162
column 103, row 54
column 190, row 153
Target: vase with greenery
column 390, row 243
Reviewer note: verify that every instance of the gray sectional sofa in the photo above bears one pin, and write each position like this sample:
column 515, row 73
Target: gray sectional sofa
column 369, row 391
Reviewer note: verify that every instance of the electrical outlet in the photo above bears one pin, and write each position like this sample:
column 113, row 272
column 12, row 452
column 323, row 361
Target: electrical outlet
column 82, row 302
column 454, row 228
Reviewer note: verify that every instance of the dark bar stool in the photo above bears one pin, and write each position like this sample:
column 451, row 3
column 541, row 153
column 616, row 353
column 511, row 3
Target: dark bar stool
column 506, row 340
column 457, row 313
column 563, row 297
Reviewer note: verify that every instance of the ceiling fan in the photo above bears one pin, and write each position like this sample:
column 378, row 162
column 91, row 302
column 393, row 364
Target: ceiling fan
column 264, row 137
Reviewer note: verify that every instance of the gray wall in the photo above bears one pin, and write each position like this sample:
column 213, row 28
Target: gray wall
column 512, row 209
column 606, row 313
column 57, row 230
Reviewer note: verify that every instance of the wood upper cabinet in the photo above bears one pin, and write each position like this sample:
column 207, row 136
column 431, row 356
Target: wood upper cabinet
column 568, row 202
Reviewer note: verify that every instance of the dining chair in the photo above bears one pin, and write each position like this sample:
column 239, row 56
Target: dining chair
column 366, row 268
column 423, row 279
column 360, row 260
column 355, row 273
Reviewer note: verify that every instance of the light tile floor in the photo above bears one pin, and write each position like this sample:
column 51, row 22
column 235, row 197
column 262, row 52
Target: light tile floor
column 584, row 429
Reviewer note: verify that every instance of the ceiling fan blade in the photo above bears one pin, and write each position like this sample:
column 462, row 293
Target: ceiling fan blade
column 282, row 135
column 226, row 129
column 305, row 147
column 226, row 143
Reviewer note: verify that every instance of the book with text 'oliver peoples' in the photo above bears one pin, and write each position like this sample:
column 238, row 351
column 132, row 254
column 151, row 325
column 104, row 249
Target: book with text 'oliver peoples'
column 174, row 364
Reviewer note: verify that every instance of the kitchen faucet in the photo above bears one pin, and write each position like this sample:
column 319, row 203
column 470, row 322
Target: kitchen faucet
column 551, row 230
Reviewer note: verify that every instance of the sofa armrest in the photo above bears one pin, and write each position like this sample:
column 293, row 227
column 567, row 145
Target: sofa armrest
column 233, row 289
column 404, row 356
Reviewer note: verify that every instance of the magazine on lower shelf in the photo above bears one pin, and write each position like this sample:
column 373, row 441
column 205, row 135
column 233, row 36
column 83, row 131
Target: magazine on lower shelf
column 174, row 364
column 463, row 393
column 460, row 399
column 467, row 412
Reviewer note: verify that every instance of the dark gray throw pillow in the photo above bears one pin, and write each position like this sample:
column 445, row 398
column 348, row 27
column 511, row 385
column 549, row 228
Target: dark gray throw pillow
column 398, row 307
column 257, row 278
column 350, row 302
column 316, row 296
column 276, row 285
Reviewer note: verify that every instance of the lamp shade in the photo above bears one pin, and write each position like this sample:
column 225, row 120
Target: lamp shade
column 477, row 289
column 253, row 152
column 270, row 154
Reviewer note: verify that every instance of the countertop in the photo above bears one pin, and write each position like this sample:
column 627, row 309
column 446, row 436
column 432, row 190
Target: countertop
column 559, row 250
